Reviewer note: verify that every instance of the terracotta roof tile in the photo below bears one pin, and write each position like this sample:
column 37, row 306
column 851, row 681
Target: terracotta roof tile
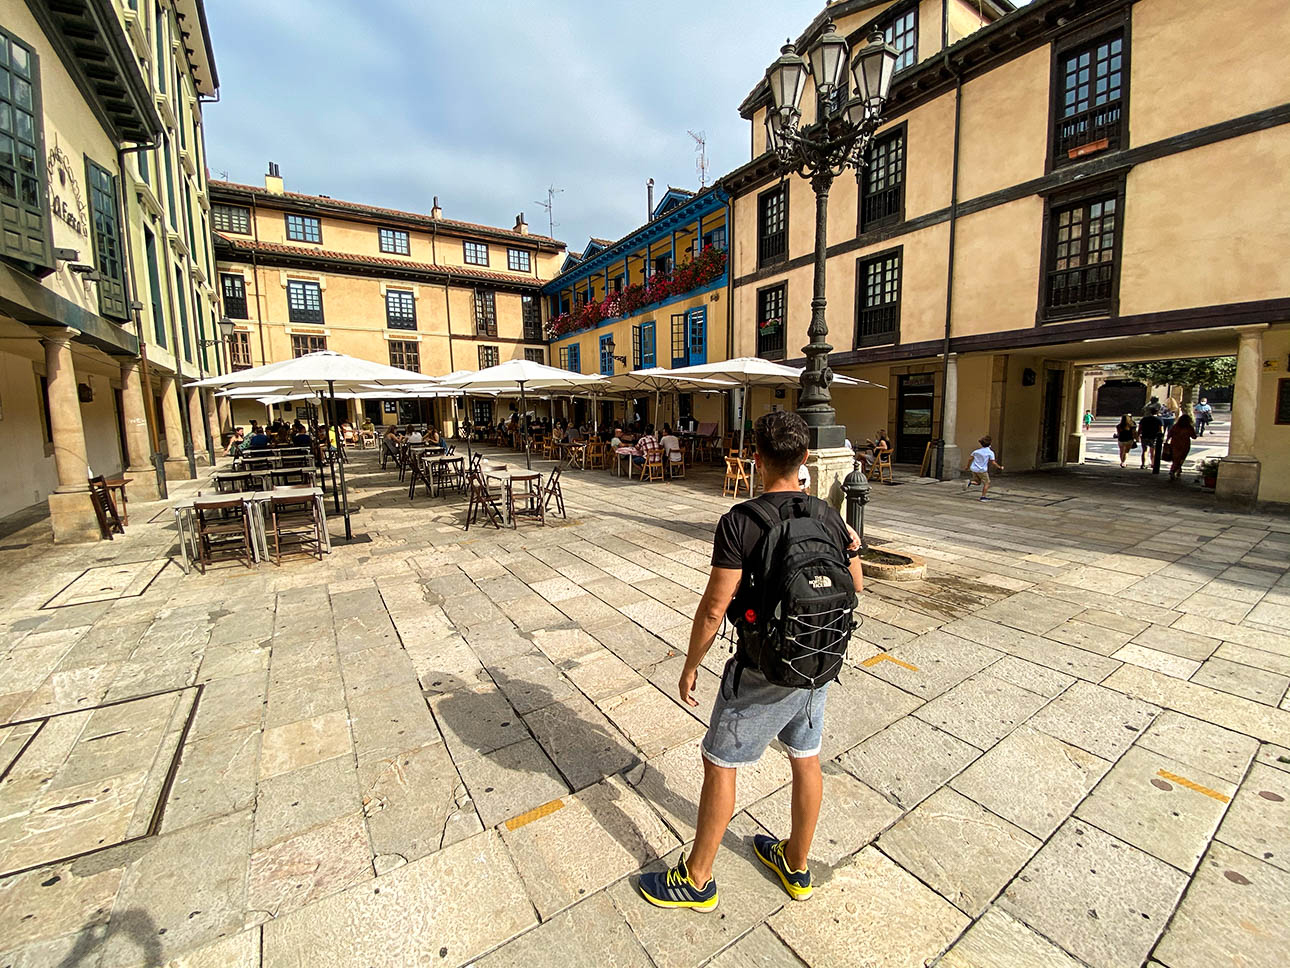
column 216, row 185
column 278, row 248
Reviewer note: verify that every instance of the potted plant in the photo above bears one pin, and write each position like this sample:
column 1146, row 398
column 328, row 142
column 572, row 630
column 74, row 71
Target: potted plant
column 1209, row 472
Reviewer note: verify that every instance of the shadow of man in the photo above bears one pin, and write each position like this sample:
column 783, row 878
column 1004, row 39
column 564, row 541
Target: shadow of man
column 134, row 923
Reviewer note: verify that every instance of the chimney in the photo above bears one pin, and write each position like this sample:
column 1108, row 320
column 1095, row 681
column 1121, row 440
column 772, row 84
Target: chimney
column 436, row 212
column 273, row 180
column 649, row 189
column 521, row 226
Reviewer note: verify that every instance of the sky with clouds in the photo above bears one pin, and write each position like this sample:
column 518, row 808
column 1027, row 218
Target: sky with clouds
column 487, row 102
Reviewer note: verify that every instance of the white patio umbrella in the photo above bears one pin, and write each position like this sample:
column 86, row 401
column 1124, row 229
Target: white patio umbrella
column 315, row 372
column 519, row 375
column 658, row 379
column 753, row 371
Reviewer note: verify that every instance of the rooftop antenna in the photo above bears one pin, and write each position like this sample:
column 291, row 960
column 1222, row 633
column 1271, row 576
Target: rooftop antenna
column 549, row 205
column 701, row 146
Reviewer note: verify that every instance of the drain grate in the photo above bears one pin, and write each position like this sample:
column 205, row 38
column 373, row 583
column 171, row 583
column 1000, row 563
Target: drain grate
column 82, row 781
column 108, row 583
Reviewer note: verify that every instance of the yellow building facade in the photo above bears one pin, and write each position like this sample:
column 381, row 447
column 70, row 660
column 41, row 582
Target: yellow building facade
column 657, row 297
column 96, row 99
column 298, row 273
column 1056, row 186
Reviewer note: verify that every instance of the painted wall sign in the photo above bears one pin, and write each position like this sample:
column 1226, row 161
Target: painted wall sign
column 65, row 200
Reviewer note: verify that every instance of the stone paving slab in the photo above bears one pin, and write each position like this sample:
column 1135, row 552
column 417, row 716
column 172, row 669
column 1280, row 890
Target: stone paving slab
column 487, row 722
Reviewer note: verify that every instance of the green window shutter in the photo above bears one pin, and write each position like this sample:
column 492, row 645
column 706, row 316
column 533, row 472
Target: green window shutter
column 105, row 227
column 26, row 234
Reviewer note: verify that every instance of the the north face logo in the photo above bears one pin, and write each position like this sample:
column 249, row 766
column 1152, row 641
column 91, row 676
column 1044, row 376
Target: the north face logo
column 821, row 581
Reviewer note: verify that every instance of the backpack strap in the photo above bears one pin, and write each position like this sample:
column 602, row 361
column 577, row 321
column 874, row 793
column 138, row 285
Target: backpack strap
column 762, row 513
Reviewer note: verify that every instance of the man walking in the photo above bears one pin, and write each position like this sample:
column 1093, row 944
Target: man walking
column 1204, row 414
column 1151, row 432
column 776, row 685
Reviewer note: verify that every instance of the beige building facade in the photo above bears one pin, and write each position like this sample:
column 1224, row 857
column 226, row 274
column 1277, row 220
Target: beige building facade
column 97, row 100
column 299, row 273
column 1056, row 186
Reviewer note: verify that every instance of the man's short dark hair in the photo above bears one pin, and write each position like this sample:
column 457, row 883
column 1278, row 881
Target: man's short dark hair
column 781, row 441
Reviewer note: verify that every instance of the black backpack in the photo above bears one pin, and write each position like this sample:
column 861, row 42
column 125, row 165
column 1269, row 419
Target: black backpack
column 793, row 612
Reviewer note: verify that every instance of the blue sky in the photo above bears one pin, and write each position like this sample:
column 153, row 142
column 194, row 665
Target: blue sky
column 484, row 104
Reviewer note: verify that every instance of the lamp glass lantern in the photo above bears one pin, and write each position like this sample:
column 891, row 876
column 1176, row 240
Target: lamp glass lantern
column 829, row 61
column 787, row 78
column 226, row 327
column 776, row 133
column 873, row 69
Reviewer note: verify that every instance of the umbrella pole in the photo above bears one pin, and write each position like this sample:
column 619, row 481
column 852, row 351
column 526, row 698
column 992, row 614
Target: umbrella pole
column 470, row 458
column 743, row 419
column 344, row 491
column 524, row 427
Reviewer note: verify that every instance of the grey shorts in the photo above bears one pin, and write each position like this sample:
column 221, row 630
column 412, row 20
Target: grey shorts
column 743, row 725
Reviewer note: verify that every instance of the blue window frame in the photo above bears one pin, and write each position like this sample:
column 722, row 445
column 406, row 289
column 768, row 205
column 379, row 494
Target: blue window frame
column 698, row 341
column 575, row 358
column 606, row 356
column 649, row 356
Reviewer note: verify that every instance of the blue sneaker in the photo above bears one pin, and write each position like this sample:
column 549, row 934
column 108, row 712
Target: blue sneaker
column 771, row 853
column 674, row 889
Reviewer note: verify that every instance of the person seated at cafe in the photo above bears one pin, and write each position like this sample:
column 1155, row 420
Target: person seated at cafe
column 258, row 440
column 255, row 428
column 644, row 444
column 299, row 436
column 415, row 436
column 235, row 442
column 432, row 435
column 671, row 445
column 367, row 424
column 392, row 436
column 616, row 439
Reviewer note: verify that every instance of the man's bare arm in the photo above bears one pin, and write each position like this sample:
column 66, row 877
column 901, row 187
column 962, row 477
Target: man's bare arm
column 722, row 584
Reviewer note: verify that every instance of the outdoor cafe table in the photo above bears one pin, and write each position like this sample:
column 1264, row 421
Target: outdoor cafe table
column 508, row 478
column 575, row 453
column 436, row 467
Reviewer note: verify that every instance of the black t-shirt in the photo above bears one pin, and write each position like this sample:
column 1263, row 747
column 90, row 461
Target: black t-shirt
column 739, row 530
column 1150, row 427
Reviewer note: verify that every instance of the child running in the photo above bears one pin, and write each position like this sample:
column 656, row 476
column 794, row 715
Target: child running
column 982, row 458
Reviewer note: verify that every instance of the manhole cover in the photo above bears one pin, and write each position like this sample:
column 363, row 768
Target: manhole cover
column 79, row 782
column 106, row 583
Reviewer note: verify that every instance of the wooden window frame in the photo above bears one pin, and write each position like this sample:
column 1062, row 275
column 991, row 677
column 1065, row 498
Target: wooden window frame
column 1120, row 21
column 901, row 132
column 395, row 318
column 884, row 338
column 403, row 351
column 305, row 314
column 772, row 352
column 34, row 222
column 388, row 239
column 302, row 343
column 305, row 222
column 489, row 356
column 535, row 354
column 775, row 258
column 223, row 210
column 1113, row 185
column 239, row 350
column 513, row 260
column 531, row 318
column 230, row 300
column 485, row 312
column 107, row 239
column 466, row 253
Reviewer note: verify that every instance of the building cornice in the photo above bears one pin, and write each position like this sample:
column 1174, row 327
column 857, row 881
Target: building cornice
column 231, row 192
column 277, row 255
column 92, row 45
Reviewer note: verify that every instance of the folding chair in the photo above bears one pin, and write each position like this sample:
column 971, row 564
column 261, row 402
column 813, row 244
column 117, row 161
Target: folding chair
column 675, row 463
column 417, row 471
column 482, row 499
column 736, row 473
column 652, row 469
column 553, row 491
column 295, row 517
column 222, row 528
column 882, row 464
column 595, row 458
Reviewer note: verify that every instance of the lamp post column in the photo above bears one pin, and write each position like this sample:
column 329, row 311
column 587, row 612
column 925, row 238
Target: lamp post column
column 816, row 404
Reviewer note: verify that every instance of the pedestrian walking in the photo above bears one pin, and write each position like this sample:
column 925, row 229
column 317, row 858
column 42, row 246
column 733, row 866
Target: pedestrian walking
column 1181, row 434
column 1126, row 435
column 1151, row 432
column 1088, row 420
column 1169, row 413
column 1204, row 416
column 792, row 616
column 979, row 468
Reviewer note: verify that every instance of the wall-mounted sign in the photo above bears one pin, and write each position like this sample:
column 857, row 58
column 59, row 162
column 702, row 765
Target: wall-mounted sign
column 65, row 200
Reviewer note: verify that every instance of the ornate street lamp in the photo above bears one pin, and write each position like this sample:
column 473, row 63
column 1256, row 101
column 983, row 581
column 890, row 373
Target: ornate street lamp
column 822, row 151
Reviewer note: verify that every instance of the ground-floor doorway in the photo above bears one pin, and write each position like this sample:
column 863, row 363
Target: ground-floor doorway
column 915, row 395
column 1050, row 426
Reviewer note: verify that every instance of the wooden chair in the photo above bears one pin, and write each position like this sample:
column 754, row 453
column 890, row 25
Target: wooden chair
column 222, row 529
column 882, row 464
column 295, row 518
column 596, row 455
column 389, row 451
column 105, row 508
column 675, row 462
column 482, row 499
column 368, row 439
column 652, row 469
column 736, row 473
column 553, row 492
column 417, row 471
